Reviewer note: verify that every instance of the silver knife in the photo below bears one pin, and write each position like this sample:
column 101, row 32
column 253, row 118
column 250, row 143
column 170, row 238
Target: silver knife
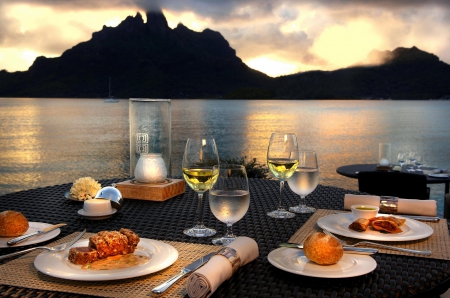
column 191, row 267
column 37, row 233
column 352, row 250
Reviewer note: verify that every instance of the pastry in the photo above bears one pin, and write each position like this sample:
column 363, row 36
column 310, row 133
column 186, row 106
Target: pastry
column 360, row 225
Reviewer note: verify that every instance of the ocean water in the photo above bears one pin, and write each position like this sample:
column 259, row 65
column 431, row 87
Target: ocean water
column 53, row 141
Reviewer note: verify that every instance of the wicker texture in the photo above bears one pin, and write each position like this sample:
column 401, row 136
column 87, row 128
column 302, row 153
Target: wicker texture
column 395, row 275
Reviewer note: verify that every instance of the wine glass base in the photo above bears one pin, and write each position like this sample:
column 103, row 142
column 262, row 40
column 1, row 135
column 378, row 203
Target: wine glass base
column 302, row 209
column 281, row 213
column 223, row 240
column 199, row 231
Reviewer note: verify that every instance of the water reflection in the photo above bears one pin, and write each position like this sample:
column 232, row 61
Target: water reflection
column 54, row 141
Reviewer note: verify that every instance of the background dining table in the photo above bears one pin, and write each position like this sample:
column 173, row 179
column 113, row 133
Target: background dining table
column 352, row 171
column 394, row 276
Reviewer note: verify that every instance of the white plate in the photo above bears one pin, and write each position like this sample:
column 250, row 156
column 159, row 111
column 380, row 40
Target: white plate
column 294, row 261
column 438, row 175
column 33, row 227
column 97, row 216
column 338, row 224
column 161, row 254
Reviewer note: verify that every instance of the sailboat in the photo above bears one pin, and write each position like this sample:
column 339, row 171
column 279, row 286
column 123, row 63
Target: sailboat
column 110, row 98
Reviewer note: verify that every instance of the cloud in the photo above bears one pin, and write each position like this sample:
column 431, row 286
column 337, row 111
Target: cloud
column 295, row 35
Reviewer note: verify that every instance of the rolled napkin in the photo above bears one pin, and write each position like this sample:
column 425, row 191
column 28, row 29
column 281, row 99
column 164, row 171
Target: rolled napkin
column 204, row 281
column 404, row 206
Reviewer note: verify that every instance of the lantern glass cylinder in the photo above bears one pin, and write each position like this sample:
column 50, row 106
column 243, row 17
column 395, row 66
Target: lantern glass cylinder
column 150, row 130
column 384, row 154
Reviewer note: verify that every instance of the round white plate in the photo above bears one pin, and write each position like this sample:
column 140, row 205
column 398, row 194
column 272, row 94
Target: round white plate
column 338, row 224
column 438, row 175
column 161, row 254
column 294, row 261
column 33, row 227
column 96, row 216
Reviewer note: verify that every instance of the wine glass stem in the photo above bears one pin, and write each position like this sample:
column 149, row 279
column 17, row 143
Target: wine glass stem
column 200, row 209
column 302, row 201
column 281, row 194
column 229, row 230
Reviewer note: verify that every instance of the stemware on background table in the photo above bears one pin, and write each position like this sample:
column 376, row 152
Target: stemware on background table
column 304, row 180
column 282, row 159
column 229, row 198
column 200, row 168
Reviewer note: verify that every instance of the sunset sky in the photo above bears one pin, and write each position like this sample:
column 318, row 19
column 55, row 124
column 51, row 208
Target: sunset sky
column 277, row 37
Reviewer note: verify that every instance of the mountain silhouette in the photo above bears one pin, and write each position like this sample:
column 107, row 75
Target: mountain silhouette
column 154, row 61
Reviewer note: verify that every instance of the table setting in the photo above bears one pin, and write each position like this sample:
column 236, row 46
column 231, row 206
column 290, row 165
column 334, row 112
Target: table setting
column 225, row 235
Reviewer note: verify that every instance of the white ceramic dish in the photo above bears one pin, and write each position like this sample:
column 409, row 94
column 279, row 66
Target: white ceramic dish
column 161, row 254
column 33, row 227
column 439, row 175
column 294, row 261
column 364, row 211
column 97, row 216
column 338, row 224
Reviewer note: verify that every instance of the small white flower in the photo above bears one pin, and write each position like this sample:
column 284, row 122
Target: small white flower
column 84, row 188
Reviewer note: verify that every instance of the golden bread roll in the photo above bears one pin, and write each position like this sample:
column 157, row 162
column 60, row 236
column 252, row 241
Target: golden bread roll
column 12, row 224
column 323, row 249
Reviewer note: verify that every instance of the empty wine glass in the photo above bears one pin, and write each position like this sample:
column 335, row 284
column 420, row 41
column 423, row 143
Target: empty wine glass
column 200, row 170
column 282, row 159
column 304, row 180
column 411, row 160
column 401, row 158
column 419, row 162
column 229, row 199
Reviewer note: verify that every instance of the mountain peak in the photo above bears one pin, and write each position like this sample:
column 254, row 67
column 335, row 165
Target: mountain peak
column 156, row 21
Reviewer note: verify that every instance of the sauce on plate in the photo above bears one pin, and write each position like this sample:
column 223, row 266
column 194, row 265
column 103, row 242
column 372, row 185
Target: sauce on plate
column 117, row 262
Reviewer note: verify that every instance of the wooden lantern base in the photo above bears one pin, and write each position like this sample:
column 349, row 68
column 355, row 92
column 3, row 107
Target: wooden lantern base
column 132, row 189
column 384, row 168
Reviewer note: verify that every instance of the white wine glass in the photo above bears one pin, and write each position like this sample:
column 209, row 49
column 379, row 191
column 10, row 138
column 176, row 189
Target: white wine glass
column 229, row 199
column 304, row 180
column 200, row 168
column 282, row 159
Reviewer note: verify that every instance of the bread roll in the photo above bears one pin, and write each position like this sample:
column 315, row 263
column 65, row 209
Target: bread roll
column 12, row 224
column 323, row 249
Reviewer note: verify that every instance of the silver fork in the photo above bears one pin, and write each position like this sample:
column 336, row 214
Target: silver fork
column 53, row 249
column 420, row 252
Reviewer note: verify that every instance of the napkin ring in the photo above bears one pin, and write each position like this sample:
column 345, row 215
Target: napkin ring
column 388, row 205
column 232, row 256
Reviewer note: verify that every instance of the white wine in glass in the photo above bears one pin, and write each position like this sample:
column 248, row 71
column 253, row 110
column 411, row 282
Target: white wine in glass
column 304, row 180
column 282, row 159
column 229, row 199
column 200, row 170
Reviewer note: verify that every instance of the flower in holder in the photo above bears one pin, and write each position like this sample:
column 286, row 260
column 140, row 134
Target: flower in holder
column 84, row 189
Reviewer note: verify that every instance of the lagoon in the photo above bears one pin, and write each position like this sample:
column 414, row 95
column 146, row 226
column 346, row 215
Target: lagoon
column 54, row 141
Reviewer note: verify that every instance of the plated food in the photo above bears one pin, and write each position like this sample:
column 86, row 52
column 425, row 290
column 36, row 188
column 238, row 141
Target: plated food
column 388, row 224
column 107, row 244
column 323, row 249
column 13, row 223
column 338, row 224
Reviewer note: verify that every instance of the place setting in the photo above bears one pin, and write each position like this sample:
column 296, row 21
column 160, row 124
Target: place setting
column 16, row 230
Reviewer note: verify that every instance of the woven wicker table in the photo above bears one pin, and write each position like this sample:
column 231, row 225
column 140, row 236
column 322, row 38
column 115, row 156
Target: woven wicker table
column 395, row 275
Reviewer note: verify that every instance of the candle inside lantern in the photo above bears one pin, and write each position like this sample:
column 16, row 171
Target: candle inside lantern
column 150, row 168
column 384, row 162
